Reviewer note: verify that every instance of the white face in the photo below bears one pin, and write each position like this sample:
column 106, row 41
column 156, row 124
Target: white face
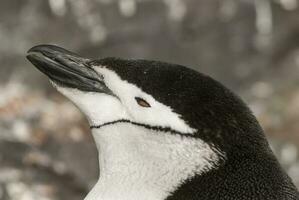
column 101, row 108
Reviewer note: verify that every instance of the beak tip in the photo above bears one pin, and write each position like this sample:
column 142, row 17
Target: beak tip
column 29, row 57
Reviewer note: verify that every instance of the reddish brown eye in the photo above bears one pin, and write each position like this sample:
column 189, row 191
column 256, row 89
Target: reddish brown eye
column 142, row 102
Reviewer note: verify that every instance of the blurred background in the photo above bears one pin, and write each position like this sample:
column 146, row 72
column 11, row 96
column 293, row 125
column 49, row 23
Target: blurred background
column 46, row 150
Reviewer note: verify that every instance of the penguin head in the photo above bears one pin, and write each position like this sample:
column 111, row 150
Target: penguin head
column 155, row 95
column 152, row 94
column 103, row 92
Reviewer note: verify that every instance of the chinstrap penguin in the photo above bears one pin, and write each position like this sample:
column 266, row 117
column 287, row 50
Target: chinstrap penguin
column 165, row 132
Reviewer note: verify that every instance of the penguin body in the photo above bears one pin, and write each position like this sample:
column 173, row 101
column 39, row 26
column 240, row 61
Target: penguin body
column 166, row 132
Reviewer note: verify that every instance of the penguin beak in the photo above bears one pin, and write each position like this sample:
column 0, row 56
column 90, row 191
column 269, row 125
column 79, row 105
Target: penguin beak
column 67, row 69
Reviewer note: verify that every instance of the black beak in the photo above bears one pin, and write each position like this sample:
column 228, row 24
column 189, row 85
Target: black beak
column 66, row 68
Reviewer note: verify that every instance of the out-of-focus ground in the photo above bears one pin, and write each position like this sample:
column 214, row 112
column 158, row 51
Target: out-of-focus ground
column 46, row 151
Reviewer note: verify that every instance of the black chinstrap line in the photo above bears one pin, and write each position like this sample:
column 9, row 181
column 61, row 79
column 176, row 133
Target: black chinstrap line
column 156, row 128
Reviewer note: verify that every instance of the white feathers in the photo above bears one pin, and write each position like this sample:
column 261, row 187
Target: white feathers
column 141, row 164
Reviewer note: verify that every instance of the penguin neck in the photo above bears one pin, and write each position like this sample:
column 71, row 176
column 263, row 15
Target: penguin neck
column 138, row 163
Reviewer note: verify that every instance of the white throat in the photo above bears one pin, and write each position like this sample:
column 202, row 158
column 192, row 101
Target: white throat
column 141, row 164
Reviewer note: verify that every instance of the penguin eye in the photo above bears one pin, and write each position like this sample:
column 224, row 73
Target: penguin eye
column 142, row 102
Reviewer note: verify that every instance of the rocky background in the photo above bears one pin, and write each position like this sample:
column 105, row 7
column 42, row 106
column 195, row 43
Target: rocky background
column 46, row 151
